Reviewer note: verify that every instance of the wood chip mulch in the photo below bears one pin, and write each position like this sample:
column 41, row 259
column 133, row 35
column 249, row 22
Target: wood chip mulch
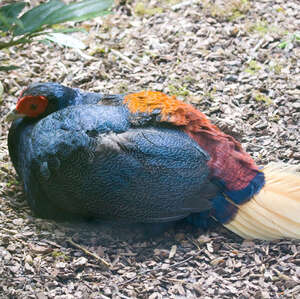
column 225, row 57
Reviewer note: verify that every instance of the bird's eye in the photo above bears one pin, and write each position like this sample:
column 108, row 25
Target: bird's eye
column 33, row 106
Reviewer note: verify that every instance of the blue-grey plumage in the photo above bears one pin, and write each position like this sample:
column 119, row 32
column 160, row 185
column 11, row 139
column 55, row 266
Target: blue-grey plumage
column 87, row 160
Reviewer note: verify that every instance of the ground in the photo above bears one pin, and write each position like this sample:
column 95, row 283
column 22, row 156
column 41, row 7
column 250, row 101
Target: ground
column 237, row 61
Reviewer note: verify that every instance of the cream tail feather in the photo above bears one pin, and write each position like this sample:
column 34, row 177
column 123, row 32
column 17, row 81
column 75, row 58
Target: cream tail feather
column 274, row 213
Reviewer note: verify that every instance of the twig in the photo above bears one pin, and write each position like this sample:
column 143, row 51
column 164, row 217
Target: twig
column 83, row 55
column 253, row 51
column 282, row 276
column 155, row 269
column 22, row 40
column 125, row 58
column 174, row 280
column 195, row 242
column 258, row 45
column 87, row 252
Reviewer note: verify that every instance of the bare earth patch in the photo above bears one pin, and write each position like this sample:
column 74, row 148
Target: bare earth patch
column 222, row 56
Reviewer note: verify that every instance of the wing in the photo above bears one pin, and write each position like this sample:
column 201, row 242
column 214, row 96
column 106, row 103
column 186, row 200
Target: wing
column 234, row 169
column 90, row 161
column 169, row 179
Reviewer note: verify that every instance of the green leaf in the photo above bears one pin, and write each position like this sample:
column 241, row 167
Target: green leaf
column 4, row 23
column 34, row 19
column 66, row 40
column 69, row 30
column 8, row 68
column 9, row 14
column 12, row 10
column 55, row 12
column 1, row 91
column 283, row 45
column 80, row 11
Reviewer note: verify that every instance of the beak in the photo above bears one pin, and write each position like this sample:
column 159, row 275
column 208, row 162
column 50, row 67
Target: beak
column 13, row 115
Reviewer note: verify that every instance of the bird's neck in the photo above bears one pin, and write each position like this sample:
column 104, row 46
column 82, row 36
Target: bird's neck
column 84, row 98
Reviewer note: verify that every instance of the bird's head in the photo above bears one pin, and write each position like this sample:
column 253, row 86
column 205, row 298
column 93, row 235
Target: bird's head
column 41, row 99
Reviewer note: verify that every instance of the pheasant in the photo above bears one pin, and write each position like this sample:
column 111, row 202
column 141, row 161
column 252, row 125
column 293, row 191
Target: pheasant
column 144, row 157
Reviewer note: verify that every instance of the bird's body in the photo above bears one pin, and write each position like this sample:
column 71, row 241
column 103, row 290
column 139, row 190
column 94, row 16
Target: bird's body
column 142, row 157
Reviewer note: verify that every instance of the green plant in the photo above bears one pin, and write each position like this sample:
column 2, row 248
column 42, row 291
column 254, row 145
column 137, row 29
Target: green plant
column 38, row 21
column 275, row 66
column 209, row 93
column 228, row 10
column 290, row 41
column 1, row 92
column 259, row 97
column 178, row 90
column 262, row 27
column 59, row 255
column 253, row 67
column 141, row 9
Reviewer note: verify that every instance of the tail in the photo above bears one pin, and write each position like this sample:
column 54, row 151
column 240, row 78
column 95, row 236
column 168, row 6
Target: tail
column 274, row 212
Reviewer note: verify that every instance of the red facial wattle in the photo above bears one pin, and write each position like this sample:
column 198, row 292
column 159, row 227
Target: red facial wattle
column 32, row 106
